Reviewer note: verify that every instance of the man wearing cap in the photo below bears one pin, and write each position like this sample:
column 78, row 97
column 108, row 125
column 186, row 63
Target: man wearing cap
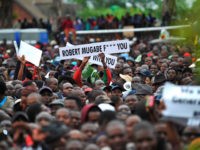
column 46, row 94
column 158, row 81
column 144, row 74
column 108, row 90
column 130, row 61
column 142, row 90
column 55, row 105
column 117, row 89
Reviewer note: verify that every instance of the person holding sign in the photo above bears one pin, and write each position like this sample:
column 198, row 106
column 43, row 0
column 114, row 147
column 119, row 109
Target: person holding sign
column 25, row 70
column 106, row 71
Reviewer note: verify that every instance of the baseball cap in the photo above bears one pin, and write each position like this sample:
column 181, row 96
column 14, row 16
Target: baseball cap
column 57, row 102
column 108, row 88
column 45, row 88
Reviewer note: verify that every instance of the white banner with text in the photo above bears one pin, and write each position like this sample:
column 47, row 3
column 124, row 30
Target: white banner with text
column 181, row 101
column 110, row 47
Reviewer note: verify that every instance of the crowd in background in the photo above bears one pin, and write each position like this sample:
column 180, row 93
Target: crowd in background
column 74, row 105
column 108, row 21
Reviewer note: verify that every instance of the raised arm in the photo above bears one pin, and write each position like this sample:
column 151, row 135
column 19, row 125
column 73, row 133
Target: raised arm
column 22, row 66
column 107, row 76
column 78, row 72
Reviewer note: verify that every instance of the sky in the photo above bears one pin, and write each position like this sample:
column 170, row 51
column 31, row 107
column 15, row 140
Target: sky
column 190, row 2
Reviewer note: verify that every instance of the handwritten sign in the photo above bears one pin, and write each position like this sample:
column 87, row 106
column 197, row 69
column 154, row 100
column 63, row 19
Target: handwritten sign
column 110, row 60
column 92, row 49
column 181, row 101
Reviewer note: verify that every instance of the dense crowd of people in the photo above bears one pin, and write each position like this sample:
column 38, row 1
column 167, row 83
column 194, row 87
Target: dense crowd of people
column 108, row 21
column 74, row 105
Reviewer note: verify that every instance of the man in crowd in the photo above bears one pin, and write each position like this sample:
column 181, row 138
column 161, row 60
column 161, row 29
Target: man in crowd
column 85, row 106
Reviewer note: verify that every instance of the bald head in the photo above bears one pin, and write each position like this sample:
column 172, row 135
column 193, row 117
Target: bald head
column 133, row 119
column 115, row 124
column 52, row 83
column 34, row 98
column 99, row 84
column 76, row 135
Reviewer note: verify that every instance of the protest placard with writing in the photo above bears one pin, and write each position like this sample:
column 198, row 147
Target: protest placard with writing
column 181, row 101
column 32, row 54
column 92, row 49
column 110, row 60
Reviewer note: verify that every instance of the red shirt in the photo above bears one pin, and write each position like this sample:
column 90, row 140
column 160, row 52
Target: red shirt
column 67, row 24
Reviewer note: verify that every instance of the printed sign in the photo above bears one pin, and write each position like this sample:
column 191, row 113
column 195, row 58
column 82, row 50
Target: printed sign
column 110, row 60
column 193, row 122
column 181, row 101
column 92, row 49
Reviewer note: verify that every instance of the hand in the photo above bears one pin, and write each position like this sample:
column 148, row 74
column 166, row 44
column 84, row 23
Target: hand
column 85, row 60
column 102, row 57
column 22, row 59
column 38, row 68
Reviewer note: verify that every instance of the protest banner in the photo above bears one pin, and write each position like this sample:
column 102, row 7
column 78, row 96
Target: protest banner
column 181, row 101
column 32, row 54
column 110, row 60
column 110, row 47
column 193, row 122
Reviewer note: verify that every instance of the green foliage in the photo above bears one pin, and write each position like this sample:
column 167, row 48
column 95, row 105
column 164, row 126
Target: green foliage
column 119, row 12
column 114, row 7
column 191, row 16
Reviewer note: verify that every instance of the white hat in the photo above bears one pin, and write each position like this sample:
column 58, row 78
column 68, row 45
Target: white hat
column 53, row 42
column 105, row 106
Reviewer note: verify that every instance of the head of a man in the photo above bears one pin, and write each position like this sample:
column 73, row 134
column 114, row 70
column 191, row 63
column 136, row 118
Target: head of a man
column 63, row 115
column 53, row 84
column 116, row 133
column 67, row 88
column 144, row 136
column 99, row 84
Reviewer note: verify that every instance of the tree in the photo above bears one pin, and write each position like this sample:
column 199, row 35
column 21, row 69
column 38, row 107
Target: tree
column 168, row 11
column 57, row 7
column 6, row 13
